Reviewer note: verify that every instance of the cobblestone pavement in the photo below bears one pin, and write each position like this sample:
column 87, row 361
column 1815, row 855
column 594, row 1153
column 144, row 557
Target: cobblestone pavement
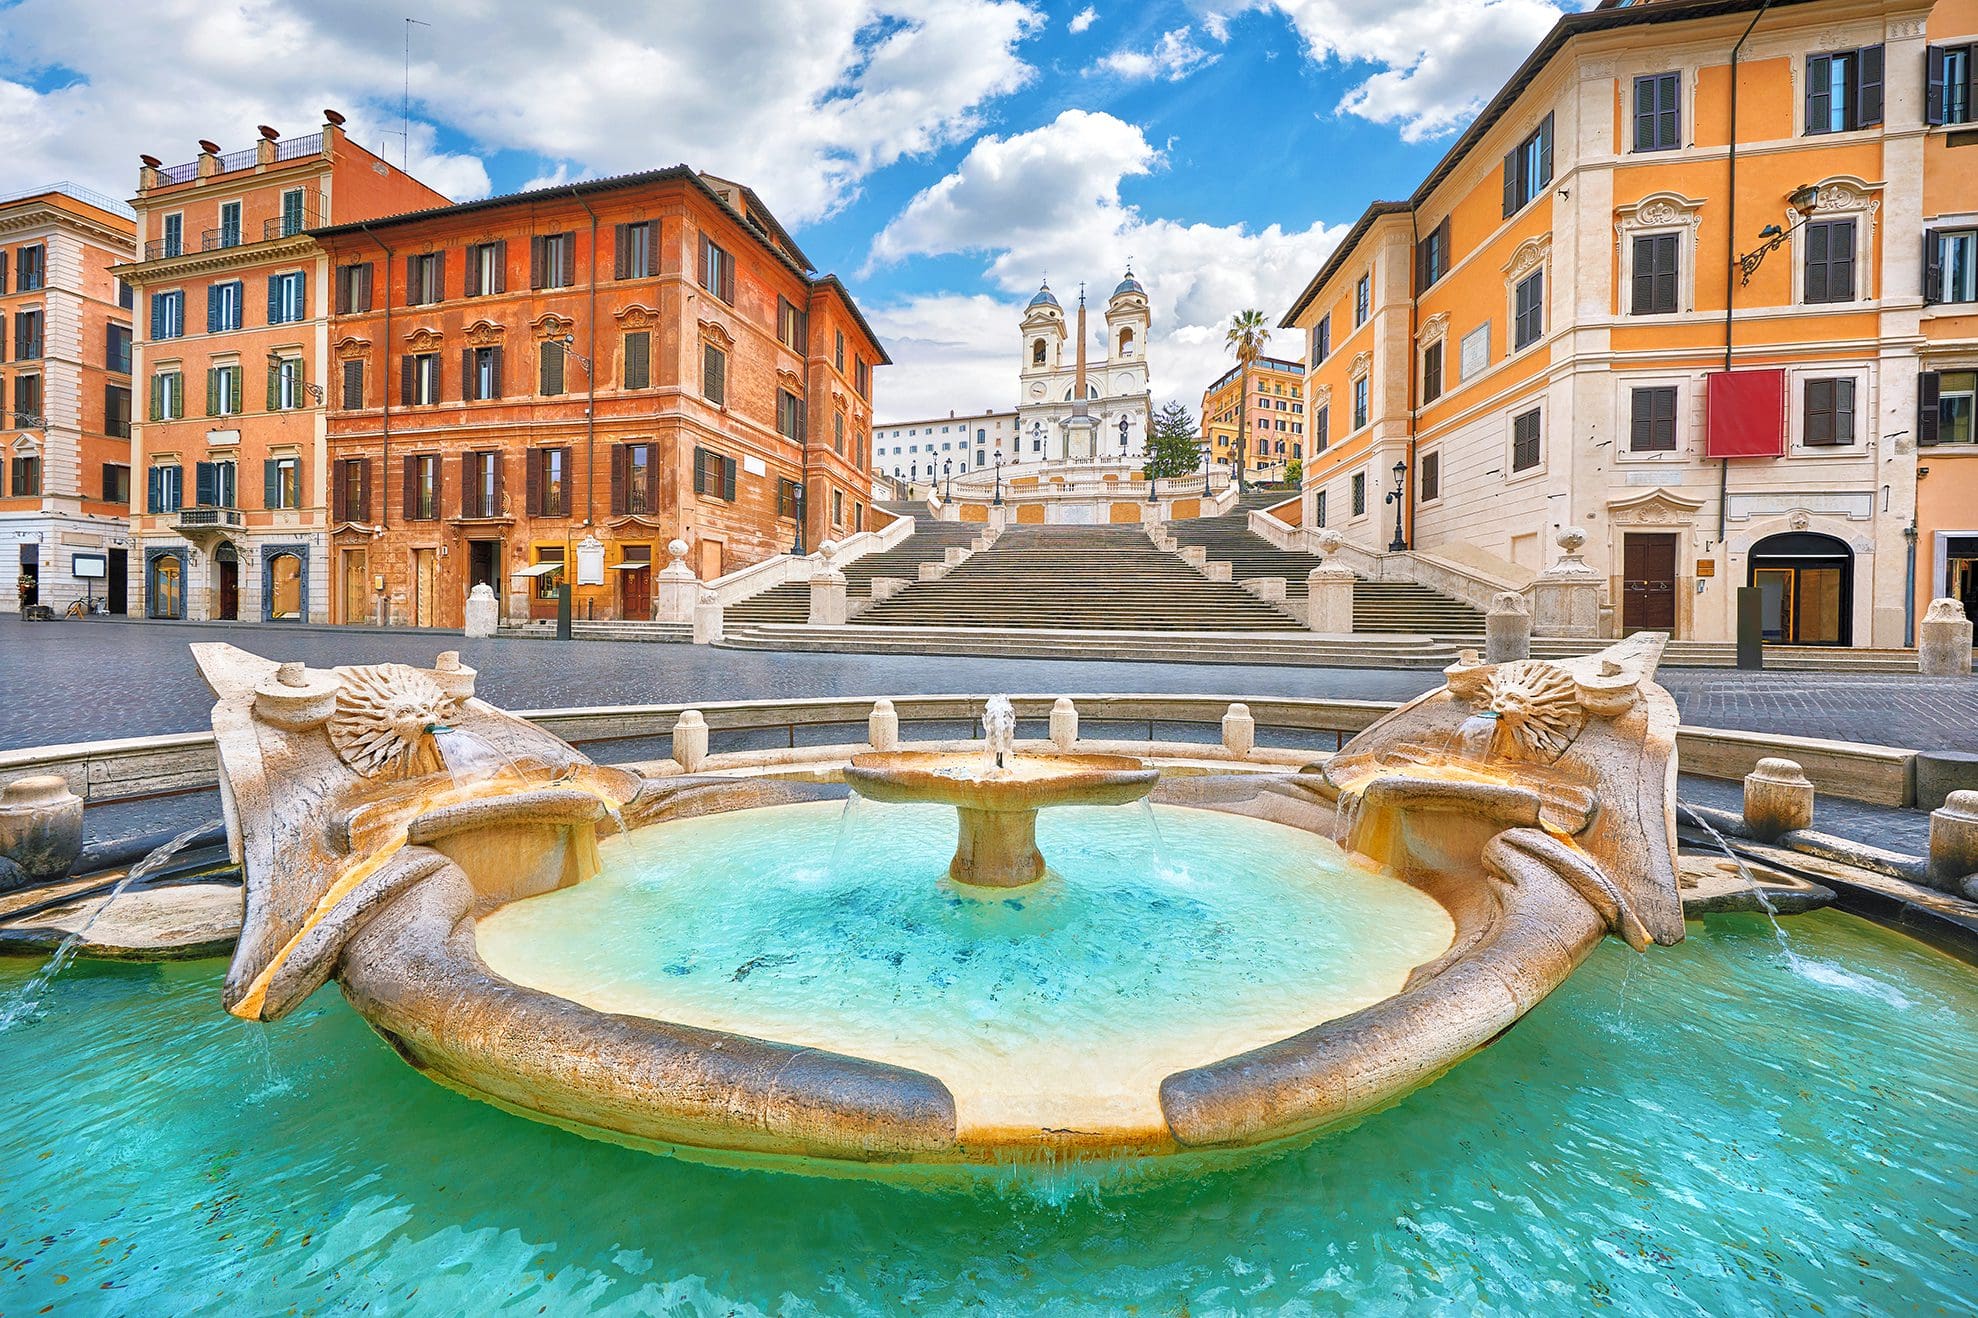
column 85, row 681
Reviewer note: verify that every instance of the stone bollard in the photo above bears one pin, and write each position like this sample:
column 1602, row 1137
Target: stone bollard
column 882, row 727
column 1064, row 724
column 1507, row 629
column 1239, row 731
column 673, row 599
column 483, row 612
column 1270, row 590
column 690, row 741
column 454, row 677
column 1777, row 799
column 707, row 618
column 1566, row 596
column 1954, row 840
column 1943, row 643
column 827, row 598
column 41, row 826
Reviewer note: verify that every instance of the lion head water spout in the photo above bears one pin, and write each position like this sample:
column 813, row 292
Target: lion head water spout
column 997, row 804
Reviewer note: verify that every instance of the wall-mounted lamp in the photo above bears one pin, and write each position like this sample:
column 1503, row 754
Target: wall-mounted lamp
column 1804, row 199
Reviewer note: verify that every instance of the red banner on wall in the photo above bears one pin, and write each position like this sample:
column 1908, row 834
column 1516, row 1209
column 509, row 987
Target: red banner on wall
column 1745, row 414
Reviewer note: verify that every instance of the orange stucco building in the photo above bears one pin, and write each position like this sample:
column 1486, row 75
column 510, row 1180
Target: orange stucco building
column 1670, row 289
column 228, row 501
column 624, row 361
column 64, row 398
column 1273, row 431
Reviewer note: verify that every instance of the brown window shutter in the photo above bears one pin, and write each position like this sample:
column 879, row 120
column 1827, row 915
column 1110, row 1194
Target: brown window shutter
column 496, row 373
column 412, row 297
column 499, row 506
column 469, row 489
column 1929, row 407
column 569, row 259
column 537, row 261
column 728, row 479
column 621, row 262
column 406, row 366
column 500, row 267
column 364, row 489
column 470, row 280
column 363, row 296
column 620, row 459
column 466, row 375
column 338, row 512
column 534, row 480
column 408, row 507
column 345, row 277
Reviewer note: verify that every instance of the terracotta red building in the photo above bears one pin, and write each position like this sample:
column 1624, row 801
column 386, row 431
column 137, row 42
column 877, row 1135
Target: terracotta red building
column 633, row 359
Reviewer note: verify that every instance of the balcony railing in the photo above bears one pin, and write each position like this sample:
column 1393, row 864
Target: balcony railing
column 160, row 248
column 180, row 173
column 284, row 226
column 212, row 240
column 234, row 160
column 293, row 147
column 202, row 518
column 26, row 420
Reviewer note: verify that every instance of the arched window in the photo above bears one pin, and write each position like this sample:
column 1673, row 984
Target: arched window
column 1037, row 352
column 1126, row 343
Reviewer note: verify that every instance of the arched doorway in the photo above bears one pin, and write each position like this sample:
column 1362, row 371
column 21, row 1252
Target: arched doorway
column 226, row 570
column 164, row 592
column 1807, row 585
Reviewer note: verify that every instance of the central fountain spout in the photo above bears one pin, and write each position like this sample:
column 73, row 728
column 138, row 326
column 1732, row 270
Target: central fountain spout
column 996, row 804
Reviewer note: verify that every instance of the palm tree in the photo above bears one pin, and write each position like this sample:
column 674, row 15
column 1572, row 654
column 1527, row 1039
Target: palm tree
column 1248, row 333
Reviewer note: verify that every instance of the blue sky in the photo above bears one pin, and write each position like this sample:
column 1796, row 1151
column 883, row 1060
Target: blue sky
column 938, row 154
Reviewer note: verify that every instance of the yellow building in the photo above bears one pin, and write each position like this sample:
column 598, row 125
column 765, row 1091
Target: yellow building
column 1274, row 432
column 1668, row 289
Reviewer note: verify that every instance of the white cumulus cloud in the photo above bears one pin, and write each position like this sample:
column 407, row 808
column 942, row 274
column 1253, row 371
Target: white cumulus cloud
column 1048, row 200
column 1172, row 58
column 1083, row 19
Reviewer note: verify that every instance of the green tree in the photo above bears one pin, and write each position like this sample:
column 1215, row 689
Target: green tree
column 1248, row 334
column 1294, row 472
column 1172, row 449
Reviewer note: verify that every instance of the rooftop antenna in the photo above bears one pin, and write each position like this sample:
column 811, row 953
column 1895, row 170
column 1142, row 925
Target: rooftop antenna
column 405, row 103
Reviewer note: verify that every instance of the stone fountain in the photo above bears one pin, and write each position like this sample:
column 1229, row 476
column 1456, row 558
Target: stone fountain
column 388, row 822
column 997, row 793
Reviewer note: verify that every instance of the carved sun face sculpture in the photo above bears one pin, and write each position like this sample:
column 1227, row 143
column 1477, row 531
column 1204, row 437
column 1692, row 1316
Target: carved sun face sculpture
column 1538, row 706
column 383, row 720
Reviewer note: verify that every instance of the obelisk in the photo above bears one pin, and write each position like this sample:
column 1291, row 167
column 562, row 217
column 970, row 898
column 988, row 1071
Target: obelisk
column 1081, row 427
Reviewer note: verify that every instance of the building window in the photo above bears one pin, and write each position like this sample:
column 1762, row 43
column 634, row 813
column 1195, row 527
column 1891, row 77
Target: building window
column 786, row 498
column 353, row 288
column 553, row 260
column 116, row 352
column 1432, row 256
column 632, row 256
column 838, row 433
column 29, row 339
column 116, row 411
column 284, row 384
column 1844, row 90
column 288, row 298
column 174, row 239
column 1428, row 484
column 482, row 369
column 1652, row 420
column 223, row 390
column 717, row 270
column 1322, row 339
column 213, row 485
column 1321, row 428
column 419, row 379
column 425, row 278
column 223, row 307
column 837, row 507
column 862, row 377
column 792, row 329
column 1359, row 493
column 167, row 396
column 350, row 492
column 126, row 295
column 1829, row 261
column 30, row 269
column 714, row 475
column 549, row 482
column 422, row 487
column 116, row 482
column 1829, row 413
column 1951, row 84
column 638, row 360
column 1360, row 402
column 1524, row 441
column 168, row 315
column 27, row 475
column 228, row 234
column 1654, row 292
column 547, row 582
column 1658, row 112
column 487, row 269
column 549, row 364
column 790, row 416
column 632, row 479
column 1528, row 168
column 292, row 212
column 1363, row 297
column 353, row 385
column 164, row 489
column 1950, row 265
column 480, row 486
column 1432, row 372
column 1947, row 407
column 281, row 483
column 1319, row 510
column 838, row 353
column 1528, row 322
column 714, row 375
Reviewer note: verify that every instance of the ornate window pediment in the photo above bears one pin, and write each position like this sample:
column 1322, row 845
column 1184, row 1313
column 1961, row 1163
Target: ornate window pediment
column 637, row 316
column 1659, row 210
column 1529, row 255
column 351, row 346
column 1363, row 362
column 790, row 380
column 549, row 325
column 484, row 333
column 1321, row 396
column 1433, row 329
column 424, row 339
column 713, row 331
column 1657, row 507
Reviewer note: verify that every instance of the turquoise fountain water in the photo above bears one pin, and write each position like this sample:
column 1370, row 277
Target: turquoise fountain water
column 1814, row 1148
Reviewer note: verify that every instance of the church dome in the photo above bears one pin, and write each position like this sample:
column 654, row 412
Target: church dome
column 1044, row 298
column 1129, row 285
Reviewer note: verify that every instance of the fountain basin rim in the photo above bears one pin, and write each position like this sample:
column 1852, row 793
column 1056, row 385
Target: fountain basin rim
column 1065, row 779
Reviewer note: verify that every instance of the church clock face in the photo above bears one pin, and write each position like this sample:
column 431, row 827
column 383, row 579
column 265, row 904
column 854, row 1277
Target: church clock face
column 1037, row 390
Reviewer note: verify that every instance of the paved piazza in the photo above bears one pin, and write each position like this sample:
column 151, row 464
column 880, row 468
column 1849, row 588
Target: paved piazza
column 80, row 681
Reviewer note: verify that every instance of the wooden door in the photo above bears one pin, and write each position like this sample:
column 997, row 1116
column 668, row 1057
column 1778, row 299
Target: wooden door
column 229, row 590
column 425, row 587
column 356, row 587
column 1648, row 583
column 636, row 583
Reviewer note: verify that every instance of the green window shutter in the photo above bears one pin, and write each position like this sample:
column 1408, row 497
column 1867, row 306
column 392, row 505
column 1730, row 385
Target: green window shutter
column 157, row 397
column 271, row 484
column 274, row 386
column 234, row 382
column 212, row 391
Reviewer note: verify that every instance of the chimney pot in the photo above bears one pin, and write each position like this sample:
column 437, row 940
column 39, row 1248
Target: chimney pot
column 152, row 161
column 270, row 133
column 331, row 116
column 210, row 148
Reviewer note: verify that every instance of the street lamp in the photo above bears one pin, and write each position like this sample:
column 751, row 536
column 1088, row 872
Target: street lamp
column 1805, row 199
column 1208, row 461
column 999, row 478
column 1394, row 497
column 948, row 474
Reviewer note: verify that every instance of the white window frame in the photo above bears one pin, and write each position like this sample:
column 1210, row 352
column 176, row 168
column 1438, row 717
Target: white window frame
column 1515, row 475
column 288, row 383
column 1624, row 391
column 291, row 297
column 1441, row 474
column 223, row 394
column 239, row 225
column 1967, row 229
column 1841, row 197
column 1864, row 411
